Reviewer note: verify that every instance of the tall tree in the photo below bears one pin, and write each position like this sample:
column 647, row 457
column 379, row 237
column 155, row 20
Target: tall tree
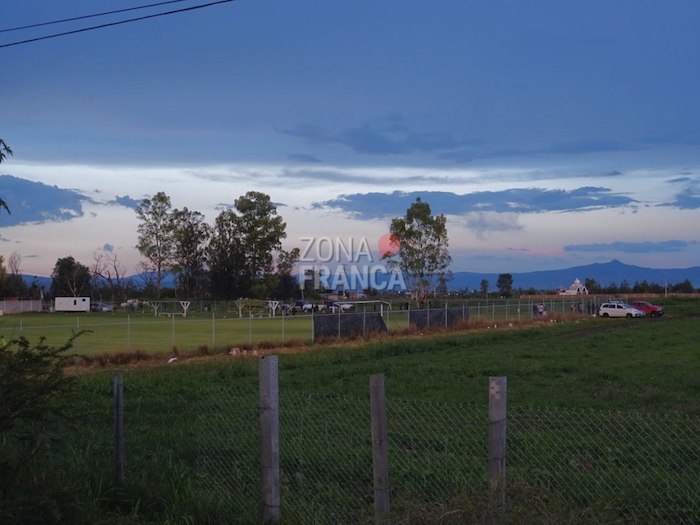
column 484, row 288
column 70, row 278
column 243, row 244
column 423, row 255
column 190, row 238
column 226, row 257
column 505, row 284
column 287, row 286
column 155, row 236
column 261, row 231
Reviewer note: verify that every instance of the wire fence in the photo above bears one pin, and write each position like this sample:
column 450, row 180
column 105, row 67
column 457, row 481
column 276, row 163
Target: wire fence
column 202, row 451
column 224, row 327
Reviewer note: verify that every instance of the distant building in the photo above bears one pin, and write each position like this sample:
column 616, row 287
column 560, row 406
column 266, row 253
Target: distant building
column 575, row 288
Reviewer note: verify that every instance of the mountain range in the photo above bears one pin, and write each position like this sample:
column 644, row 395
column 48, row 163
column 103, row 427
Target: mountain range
column 605, row 274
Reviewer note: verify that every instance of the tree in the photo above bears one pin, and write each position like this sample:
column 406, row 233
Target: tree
column 684, row 287
column 226, row 258
column 108, row 274
column 4, row 152
column 155, row 236
column 13, row 283
column 591, row 285
column 243, row 243
column 70, row 279
column 287, row 286
column 260, row 229
column 422, row 256
column 484, row 288
column 190, row 238
column 505, row 284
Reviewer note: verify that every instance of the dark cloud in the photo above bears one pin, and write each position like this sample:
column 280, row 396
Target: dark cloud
column 35, row 202
column 688, row 199
column 528, row 200
column 304, row 157
column 585, row 146
column 388, row 137
column 342, row 176
column 578, row 147
column 631, row 247
column 127, row 201
column 680, row 180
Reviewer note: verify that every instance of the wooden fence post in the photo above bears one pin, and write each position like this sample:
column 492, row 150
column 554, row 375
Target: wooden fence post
column 380, row 449
column 118, row 391
column 498, row 404
column 268, row 416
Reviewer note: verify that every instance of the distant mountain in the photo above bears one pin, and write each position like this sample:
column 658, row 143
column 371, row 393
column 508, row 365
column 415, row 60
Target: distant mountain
column 604, row 273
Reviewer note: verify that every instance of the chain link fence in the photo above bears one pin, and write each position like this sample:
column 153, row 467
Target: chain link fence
column 635, row 467
column 626, row 467
column 195, row 452
column 224, row 328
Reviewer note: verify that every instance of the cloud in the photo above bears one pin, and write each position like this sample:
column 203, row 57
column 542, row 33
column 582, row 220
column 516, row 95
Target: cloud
column 127, row 201
column 304, row 157
column 330, row 175
column 483, row 223
column 631, row 247
column 688, row 199
column 576, row 147
column 520, row 200
column 386, row 137
column 35, row 202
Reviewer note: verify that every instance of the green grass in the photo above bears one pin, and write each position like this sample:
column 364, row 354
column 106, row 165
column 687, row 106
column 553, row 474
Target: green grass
column 192, row 445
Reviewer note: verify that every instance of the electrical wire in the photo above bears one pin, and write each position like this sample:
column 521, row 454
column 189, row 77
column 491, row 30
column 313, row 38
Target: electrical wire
column 110, row 24
column 40, row 24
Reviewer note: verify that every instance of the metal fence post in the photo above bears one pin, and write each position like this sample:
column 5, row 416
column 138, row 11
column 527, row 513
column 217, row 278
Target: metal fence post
column 380, row 449
column 268, row 416
column 118, row 392
column 498, row 404
column 213, row 330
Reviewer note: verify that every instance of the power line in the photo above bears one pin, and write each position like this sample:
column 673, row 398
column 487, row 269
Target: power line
column 40, row 24
column 110, row 24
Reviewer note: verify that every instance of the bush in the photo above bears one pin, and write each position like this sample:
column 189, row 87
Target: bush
column 32, row 384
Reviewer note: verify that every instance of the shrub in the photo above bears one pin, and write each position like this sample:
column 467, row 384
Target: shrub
column 32, row 385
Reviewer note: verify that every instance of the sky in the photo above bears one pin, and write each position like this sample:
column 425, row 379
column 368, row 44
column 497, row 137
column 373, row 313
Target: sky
column 551, row 134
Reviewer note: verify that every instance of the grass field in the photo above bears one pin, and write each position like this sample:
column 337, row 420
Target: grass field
column 191, row 445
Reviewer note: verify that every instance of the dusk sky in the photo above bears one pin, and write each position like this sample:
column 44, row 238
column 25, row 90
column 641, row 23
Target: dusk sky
column 550, row 133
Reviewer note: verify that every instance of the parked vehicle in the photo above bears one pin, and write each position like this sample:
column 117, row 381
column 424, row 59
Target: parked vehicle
column 618, row 309
column 344, row 307
column 304, row 306
column 649, row 309
column 101, row 307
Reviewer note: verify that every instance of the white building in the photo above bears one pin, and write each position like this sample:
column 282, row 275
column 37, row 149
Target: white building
column 575, row 288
